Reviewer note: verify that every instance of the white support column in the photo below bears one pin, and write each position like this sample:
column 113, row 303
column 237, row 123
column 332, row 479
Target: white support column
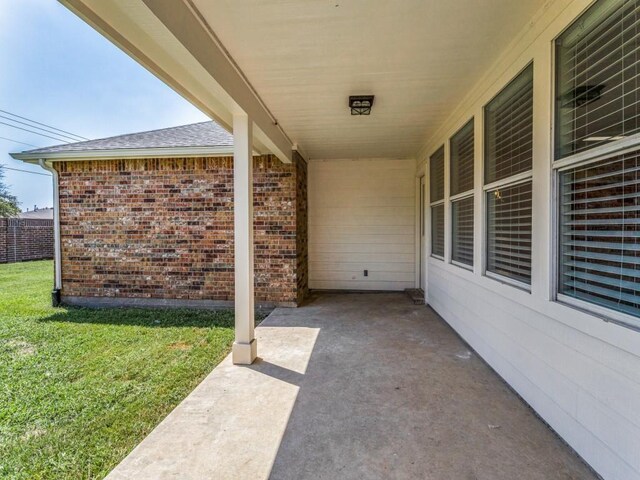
column 245, row 347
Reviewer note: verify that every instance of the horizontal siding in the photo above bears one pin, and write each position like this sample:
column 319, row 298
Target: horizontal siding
column 347, row 276
column 577, row 383
column 382, row 251
column 360, row 285
column 339, row 237
column 580, row 373
column 374, row 266
column 392, row 199
column 344, row 219
column 370, row 229
column 362, row 217
column 362, row 257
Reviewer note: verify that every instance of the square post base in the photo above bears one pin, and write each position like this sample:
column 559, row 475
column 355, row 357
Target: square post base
column 244, row 353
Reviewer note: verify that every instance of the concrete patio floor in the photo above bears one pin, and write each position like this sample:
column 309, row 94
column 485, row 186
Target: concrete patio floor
column 354, row 386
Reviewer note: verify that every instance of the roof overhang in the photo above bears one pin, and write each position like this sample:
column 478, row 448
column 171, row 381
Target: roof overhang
column 173, row 43
column 124, row 153
column 291, row 65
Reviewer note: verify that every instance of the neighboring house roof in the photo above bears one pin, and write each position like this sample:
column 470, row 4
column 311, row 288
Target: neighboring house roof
column 40, row 214
column 198, row 138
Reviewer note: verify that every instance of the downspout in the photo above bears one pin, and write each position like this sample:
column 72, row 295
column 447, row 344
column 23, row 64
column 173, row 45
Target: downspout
column 57, row 286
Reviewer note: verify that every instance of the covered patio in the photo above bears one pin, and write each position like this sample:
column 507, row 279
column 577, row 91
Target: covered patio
column 354, row 386
column 495, row 170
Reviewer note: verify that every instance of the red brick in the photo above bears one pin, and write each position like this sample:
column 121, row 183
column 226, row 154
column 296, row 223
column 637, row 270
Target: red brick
column 163, row 228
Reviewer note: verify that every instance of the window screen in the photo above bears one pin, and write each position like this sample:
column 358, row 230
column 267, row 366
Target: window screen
column 436, row 175
column 597, row 77
column 509, row 232
column 462, row 160
column 462, row 225
column 437, row 230
column 509, row 129
column 600, row 233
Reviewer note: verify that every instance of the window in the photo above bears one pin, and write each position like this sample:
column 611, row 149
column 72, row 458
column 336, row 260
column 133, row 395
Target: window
column 600, row 233
column 597, row 108
column 462, row 196
column 436, row 176
column 508, row 185
column 597, row 78
column 462, row 231
column 509, row 129
column 437, row 231
column 509, row 232
column 436, row 197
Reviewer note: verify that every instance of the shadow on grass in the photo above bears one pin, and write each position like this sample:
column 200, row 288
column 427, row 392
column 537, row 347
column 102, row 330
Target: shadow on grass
column 152, row 318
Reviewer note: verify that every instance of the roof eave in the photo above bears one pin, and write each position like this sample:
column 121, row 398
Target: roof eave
column 123, row 153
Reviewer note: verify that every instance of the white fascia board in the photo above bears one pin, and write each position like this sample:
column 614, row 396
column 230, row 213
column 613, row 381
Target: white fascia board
column 171, row 41
column 124, row 153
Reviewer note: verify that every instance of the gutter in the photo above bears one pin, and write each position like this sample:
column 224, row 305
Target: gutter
column 57, row 252
column 126, row 153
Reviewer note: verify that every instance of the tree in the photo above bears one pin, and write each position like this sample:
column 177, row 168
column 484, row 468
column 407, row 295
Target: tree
column 8, row 203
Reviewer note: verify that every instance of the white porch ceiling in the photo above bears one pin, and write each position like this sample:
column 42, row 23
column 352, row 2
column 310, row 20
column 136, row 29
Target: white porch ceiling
column 418, row 57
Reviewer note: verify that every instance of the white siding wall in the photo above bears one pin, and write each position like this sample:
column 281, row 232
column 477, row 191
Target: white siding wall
column 580, row 373
column 362, row 217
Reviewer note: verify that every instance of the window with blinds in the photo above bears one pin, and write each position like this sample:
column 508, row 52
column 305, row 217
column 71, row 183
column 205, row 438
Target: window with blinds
column 462, row 231
column 600, row 233
column 509, row 232
column 461, row 187
column 597, row 103
column 509, row 129
column 508, row 162
column 437, row 230
column 462, row 160
column 598, row 77
column 436, row 175
column 436, row 196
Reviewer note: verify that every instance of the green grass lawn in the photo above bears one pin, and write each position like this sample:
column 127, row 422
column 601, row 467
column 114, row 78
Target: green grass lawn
column 79, row 388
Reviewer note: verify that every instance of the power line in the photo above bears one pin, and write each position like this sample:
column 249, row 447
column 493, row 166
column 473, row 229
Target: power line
column 16, row 141
column 43, row 124
column 37, row 133
column 2, row 167
column 40, row 128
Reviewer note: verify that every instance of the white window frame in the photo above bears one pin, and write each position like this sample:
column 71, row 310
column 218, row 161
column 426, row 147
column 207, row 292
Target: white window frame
column 456, row 198
column 511, row 181
column 438, row 203
column 431, row 206
column 463, row 196
column 601, row 152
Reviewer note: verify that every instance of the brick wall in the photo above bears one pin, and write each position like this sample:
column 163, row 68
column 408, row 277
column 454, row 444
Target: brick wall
column 25, row 239
column 163, row 229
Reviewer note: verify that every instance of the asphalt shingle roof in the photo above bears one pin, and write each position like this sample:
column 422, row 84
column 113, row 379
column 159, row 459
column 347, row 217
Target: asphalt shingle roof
column 204, row 134
column 41, row 214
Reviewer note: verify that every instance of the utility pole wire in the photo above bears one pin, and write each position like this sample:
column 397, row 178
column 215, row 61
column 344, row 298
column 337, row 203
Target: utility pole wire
column 37, row 133
column 17, row 141
column 43, row 124
column 2, row 167
column 40, row 128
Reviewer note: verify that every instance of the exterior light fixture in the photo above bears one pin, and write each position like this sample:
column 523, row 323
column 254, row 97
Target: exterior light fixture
column 360, row 104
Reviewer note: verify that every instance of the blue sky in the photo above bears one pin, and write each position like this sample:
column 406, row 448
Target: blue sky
column 59, row 71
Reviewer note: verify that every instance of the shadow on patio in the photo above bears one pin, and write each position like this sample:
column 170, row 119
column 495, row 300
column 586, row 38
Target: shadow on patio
column 354, row 386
